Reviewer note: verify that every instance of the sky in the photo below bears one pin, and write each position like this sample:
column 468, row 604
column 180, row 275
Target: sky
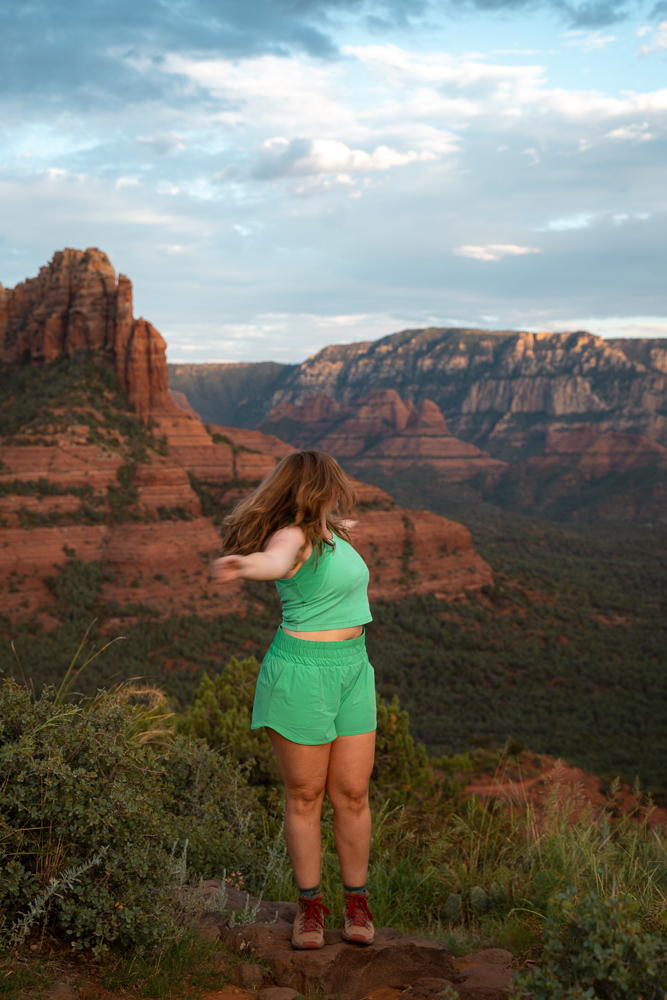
column 279, row 175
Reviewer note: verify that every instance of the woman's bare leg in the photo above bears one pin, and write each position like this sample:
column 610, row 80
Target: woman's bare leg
column 350, row 765
column 304, row 773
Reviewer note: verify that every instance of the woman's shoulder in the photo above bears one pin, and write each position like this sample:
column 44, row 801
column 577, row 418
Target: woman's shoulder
column 290, row 534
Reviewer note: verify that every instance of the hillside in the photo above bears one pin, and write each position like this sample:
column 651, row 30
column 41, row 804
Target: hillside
column 499, row 390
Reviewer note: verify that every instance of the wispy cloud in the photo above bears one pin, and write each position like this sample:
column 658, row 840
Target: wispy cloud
column 493, row 251
column 657, row 41
column 587, row 41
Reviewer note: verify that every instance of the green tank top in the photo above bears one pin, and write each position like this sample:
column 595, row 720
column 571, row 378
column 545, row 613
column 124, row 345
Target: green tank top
column 329, row 592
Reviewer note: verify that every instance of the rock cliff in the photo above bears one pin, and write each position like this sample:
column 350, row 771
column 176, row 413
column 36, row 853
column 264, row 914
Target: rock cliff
column 498, row 390
column 467, row 402
column 583, row 474
column 76, row 302
column 381, row 432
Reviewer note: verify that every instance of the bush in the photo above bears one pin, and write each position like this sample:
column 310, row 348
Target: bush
column 87, row 801
column 596, row 948
column 402, row 769
column 220, row 714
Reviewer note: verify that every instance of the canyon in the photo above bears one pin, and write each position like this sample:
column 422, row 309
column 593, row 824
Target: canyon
column 100, row 462
column 562, row 425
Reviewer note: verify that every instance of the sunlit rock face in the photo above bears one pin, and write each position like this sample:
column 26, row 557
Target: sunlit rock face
column 76, row 302
column 498, row 390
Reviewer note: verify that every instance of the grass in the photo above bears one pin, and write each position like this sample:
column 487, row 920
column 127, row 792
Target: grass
column 188, row 969
column 504, row 861
column 185, row 969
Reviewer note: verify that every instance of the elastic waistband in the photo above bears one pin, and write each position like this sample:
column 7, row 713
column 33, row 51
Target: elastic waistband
column 338, row 649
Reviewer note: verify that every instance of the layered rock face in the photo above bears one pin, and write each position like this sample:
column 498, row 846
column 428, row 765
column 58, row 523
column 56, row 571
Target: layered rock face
column 478, row 378
column 498, row 390
column 382, row 432
column 501, row 397
column 587, row 475
column 76, row 302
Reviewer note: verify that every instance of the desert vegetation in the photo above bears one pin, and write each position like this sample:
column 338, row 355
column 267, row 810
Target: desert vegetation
column 114, row 807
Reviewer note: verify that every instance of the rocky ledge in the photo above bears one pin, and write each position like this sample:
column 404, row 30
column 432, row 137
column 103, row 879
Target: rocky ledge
column 395, row 965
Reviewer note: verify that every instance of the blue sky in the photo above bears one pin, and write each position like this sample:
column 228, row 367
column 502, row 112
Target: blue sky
column 277, row 175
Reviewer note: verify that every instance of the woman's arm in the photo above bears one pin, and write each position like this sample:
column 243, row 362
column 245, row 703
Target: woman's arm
column 273, row 563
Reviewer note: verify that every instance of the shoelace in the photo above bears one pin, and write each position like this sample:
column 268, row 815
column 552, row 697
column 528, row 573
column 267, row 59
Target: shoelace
column 312, row 913
column 357, row 910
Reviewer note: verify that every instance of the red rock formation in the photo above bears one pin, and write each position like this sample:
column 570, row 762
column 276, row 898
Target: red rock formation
column 599, row 453
column 542, row 781
column 268, row 444
column 415, row 551
column 591, row 475
column 75, row 302
column 68, row 465
column 180, row 400
column 426, row 441
column 382, row 432
column 161, row 483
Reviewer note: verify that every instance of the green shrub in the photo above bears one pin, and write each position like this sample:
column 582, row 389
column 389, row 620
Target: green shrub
column 76, row 587
column 87, row 801
column 221, row 714
column 596, row 947
column 402, row 769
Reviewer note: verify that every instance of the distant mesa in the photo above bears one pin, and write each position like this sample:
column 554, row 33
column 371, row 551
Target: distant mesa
column 565, row 426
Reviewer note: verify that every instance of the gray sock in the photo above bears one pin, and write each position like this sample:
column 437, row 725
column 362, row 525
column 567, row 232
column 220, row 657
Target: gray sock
column 311, row 893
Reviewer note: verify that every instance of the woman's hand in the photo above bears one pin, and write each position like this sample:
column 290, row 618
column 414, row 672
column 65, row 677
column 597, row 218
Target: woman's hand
column 227, row 568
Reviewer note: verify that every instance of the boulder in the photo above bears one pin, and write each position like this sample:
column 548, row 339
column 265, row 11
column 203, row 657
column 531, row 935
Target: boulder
column 341, row 969
column 426, row 988
column 247, row 976
column 485, row 975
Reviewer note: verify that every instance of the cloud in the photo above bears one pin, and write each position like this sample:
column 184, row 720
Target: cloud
column 566, row 223
column 582, row 14
column 493, row 251
column 587, row 41
column 637, row 132
column 281, row 157
column 168, row 142
column 658, row 40
column 400, row 152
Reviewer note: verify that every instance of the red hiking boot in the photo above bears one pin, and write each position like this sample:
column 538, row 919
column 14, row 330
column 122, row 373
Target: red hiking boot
column 308, row 930
column 357, row 918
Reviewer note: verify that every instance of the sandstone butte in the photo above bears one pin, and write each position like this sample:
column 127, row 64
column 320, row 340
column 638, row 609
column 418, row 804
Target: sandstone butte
column 77, row 302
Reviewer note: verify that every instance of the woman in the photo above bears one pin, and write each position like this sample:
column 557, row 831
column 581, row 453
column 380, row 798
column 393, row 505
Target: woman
column 316, row 689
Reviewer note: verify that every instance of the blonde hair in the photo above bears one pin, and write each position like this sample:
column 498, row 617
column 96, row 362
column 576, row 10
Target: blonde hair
column 297, row 491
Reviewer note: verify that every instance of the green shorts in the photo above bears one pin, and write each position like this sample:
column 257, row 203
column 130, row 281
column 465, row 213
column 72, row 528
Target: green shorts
column 312, row 692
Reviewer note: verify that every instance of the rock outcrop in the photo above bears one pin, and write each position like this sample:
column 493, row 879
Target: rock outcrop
column 395, row 965
column 381, row 432
column 584, row 474
column 76, row 302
